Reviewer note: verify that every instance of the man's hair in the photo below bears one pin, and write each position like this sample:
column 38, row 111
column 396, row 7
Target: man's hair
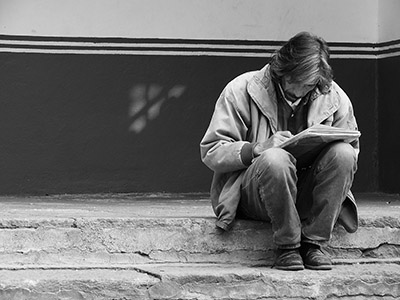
column 303, row 59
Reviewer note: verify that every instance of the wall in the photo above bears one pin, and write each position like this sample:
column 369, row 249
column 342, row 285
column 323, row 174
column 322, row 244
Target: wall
column 389, row 24
column 192, row 19
column 96, row 98
column 389, row 104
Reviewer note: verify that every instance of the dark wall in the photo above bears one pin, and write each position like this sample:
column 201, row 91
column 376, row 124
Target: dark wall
column 111, row 123
column 358, row 78
column 389, row 124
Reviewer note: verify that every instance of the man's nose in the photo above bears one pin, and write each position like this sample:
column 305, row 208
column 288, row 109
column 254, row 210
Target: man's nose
column 301, row 91
column 298, row 93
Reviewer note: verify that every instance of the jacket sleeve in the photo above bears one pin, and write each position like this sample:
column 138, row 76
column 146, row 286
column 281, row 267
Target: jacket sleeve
column 224, row 143
column 344, row 116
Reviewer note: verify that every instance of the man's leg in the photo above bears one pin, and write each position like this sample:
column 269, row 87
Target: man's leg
column 321, row 192
column 269, row 194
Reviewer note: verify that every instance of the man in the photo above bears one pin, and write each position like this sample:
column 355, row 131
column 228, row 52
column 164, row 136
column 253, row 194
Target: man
column 256, row 179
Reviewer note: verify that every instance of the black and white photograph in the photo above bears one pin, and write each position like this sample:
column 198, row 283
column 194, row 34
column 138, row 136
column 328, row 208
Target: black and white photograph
column 199, row 149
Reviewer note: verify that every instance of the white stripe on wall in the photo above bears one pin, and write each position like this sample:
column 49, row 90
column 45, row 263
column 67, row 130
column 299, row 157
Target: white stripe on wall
column 183, row 49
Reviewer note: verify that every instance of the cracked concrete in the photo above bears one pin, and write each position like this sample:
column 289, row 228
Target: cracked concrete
column 139, row 240
column 235, row 282
column 167, row 247
column 202, row 282
column 73, row 284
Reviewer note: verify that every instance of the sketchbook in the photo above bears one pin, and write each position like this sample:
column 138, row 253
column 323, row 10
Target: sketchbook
column 306, row 145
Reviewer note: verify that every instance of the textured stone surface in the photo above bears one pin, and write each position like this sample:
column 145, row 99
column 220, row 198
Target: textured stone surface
column 238, row 282
column 167, row 247
column 202, row 282
column 126, row 229
column 75, row 284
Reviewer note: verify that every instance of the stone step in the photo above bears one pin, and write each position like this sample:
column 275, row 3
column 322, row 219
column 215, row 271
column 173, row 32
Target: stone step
column 158, row 246
column 187, row 281
column 103, row 230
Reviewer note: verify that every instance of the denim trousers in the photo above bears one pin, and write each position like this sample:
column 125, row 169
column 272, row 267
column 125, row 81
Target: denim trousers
column 302, row 205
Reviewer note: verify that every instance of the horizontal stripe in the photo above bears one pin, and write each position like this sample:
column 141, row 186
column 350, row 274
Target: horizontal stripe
column 114, row 40
column 181, row 47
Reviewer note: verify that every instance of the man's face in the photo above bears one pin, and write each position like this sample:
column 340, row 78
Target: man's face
column 294, row 90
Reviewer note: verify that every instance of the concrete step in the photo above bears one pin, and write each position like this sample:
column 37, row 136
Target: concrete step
column 124, row 229
column 158, row 246
column 187, row 281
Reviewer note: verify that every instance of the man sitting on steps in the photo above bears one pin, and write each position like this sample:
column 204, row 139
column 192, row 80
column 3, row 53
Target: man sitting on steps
column 256, row 179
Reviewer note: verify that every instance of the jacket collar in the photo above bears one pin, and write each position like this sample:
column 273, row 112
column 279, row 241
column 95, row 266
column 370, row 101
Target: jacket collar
column 262, row 91
column 322, row 106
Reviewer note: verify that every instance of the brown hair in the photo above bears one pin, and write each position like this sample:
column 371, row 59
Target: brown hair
column 303, row 59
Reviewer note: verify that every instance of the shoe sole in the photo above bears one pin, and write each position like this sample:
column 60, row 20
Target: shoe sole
column 319, row 268
column 290, row 268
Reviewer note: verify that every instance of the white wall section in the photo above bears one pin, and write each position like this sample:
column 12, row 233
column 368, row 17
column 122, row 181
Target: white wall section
column 354, row 28
column 389, row 20
column 335, row 20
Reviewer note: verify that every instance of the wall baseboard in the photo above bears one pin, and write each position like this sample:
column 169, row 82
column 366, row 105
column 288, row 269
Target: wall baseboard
column 181, row 47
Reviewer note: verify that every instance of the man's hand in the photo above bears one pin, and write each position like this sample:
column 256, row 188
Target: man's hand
column 274, row 141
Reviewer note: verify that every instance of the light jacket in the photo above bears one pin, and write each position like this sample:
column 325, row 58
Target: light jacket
column 247, row 112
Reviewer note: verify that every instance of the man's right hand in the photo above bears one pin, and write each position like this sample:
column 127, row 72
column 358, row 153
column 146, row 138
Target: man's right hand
column 274, row 141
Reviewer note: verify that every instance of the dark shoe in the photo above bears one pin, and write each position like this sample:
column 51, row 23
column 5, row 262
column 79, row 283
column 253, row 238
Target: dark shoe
column 314, row 258
column 289, row 260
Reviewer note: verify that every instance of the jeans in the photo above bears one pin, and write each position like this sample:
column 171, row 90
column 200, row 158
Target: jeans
column 302, row 205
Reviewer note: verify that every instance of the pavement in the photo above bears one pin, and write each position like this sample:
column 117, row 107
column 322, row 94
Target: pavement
column 165, row 246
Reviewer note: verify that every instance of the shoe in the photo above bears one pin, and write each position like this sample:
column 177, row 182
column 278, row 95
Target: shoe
column 289, row 260
column 314, row 258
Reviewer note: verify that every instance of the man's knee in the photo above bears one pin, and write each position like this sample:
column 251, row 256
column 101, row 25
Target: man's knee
column 275, row 160
column 342, row 155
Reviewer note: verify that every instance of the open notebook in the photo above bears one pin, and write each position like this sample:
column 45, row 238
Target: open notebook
column 306, row 145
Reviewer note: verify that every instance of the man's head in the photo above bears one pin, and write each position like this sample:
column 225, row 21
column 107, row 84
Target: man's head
column 302, row 64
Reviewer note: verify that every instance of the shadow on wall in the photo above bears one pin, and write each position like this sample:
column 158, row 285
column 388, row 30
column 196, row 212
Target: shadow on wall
column 93, row 124
column 146, row 102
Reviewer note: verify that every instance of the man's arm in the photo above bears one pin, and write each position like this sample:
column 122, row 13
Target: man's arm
column 224, row 147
